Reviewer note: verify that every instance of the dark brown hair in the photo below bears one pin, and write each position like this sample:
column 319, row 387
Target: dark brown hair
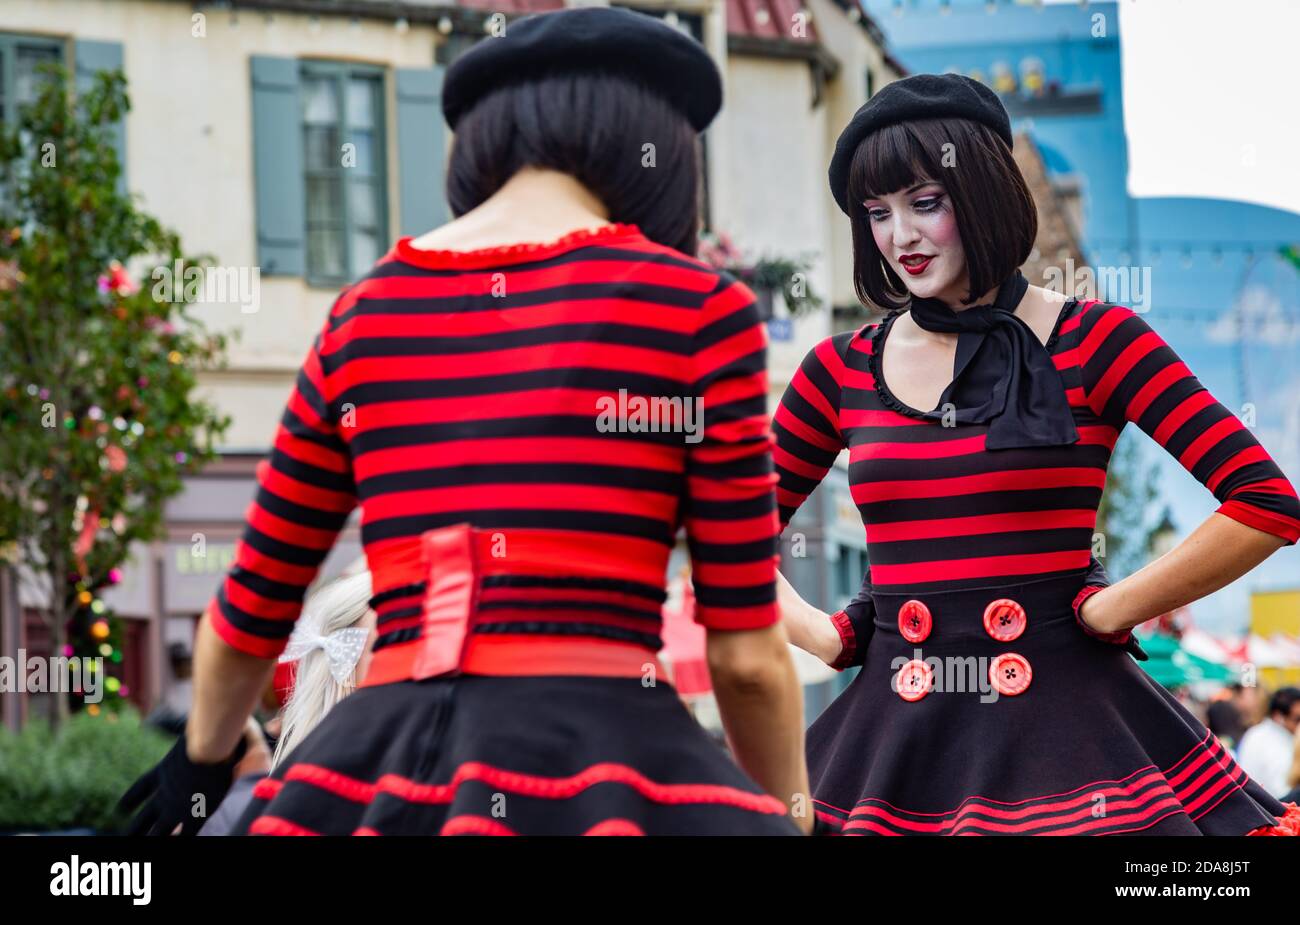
column 995, row 212
column 592, row 126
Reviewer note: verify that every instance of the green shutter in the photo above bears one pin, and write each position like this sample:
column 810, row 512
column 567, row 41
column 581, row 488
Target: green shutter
column 277, row 166
column 421, row 150
column 91, row 58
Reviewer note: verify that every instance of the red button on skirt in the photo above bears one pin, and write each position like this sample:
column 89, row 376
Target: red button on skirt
column 914, row 680
column 1010, row 674
column 1004, row 620
column 914, row 621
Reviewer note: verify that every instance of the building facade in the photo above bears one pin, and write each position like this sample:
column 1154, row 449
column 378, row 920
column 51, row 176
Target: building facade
column 240, row 110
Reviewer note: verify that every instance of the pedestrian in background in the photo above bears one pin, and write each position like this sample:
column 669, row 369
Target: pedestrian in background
column 1267, row 751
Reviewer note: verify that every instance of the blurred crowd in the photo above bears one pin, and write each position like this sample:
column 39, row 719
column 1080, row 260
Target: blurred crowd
column 1262, row 731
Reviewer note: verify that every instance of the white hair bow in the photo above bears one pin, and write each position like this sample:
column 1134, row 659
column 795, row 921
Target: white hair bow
column 343, row 647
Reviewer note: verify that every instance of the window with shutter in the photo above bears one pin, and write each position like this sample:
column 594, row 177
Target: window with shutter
column 346, row 215
column 20, row 75
column 421, row 150
column 91, row 57
column 277, row 165
column 321, row 138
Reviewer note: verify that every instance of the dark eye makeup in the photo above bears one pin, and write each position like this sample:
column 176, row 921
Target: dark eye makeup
column 925, row 204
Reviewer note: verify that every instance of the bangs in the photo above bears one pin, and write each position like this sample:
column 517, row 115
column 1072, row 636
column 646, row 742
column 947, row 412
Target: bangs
column 890, row 159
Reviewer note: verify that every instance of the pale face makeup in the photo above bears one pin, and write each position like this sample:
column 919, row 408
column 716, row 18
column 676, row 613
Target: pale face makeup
column 916, row 232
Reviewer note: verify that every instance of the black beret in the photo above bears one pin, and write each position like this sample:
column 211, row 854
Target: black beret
column 589, row 39
column 921, row 96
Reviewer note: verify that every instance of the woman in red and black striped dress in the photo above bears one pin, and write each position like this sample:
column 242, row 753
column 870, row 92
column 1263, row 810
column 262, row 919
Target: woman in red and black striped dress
column 996, row 694
column 484, row 400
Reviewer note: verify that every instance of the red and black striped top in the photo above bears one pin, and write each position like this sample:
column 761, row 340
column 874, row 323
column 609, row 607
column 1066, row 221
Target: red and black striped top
column 941, row 511
column 581, row 400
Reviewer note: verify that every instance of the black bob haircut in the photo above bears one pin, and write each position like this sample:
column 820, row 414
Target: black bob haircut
column 624, row 142
column 994, row 209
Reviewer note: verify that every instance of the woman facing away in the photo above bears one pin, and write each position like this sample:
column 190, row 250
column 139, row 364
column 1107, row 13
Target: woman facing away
column 996, row 694
column 517, row 539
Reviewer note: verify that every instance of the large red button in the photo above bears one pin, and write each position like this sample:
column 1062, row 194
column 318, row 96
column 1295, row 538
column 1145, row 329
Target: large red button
column 914, row 680
column 1010, row 674
column 1004, row 620
column 914, row 621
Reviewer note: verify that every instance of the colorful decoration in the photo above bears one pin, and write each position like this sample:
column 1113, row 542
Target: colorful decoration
column 118, row 281
column 131, row 367
column 765, row 275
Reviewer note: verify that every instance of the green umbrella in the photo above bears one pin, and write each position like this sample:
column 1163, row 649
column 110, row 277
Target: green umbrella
column 1172, row 666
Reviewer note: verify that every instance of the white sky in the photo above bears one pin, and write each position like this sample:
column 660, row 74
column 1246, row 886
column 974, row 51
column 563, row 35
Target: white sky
column 1212, row 99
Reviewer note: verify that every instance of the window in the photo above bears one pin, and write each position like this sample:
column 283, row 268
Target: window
column 20, row 81
column 346, row 219
column 323, row 136
column 20, row 56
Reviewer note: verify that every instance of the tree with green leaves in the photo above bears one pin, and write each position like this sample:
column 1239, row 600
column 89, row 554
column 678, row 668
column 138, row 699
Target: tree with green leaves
column 1122, row 516
column 97, row 375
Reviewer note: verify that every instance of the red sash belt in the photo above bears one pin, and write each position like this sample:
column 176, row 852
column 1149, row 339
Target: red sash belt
column 451, row 559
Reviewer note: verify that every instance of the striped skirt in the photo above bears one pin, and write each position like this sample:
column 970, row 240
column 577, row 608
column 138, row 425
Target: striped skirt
column 540, row 755
column 1081, row 741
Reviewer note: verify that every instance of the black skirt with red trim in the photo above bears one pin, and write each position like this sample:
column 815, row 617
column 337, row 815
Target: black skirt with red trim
column 1091, row 746
column 511, row 756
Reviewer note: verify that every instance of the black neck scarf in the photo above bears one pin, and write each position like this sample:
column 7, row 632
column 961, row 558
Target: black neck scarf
column 1003, row 374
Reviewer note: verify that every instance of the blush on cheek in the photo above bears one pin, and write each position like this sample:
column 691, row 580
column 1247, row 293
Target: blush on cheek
column 941, row 230
column 944, row 239
column 883, row 237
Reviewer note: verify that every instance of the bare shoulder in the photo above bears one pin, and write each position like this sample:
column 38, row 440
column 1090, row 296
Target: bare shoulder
column 1043, row 301
column 1040, row 309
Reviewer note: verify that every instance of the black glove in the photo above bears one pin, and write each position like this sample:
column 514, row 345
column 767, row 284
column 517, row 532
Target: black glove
column 1097, row 578
column 861, row 616
column 167, row 792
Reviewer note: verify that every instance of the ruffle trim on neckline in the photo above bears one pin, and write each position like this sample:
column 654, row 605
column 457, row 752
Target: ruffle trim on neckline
column 1067, row 309
column 512, row 253
column 891, row 401
column 886, row 397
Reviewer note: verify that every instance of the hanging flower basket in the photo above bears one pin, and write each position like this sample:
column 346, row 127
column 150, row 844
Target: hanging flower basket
column 766, row 275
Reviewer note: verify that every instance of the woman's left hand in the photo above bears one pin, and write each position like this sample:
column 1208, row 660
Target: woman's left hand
column 165, row 794
column 807, row 627
column 1092, row 613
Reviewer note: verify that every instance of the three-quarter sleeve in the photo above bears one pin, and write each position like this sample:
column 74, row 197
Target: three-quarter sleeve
column 855, row 623
column 730, row 506
column 305, row 492
column 807, row 425
column 1130, row 374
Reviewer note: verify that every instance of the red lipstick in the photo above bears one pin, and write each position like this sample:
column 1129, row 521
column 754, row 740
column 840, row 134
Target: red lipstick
column 915, row 264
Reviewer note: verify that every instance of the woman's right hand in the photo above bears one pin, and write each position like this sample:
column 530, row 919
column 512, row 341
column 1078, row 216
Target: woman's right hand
column 808, row 628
